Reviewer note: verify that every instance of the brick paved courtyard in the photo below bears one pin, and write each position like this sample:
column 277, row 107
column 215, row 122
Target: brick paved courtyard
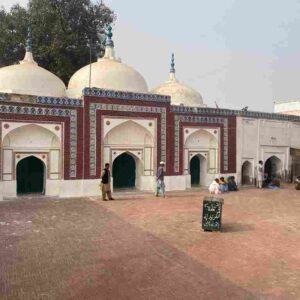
column 142, row 247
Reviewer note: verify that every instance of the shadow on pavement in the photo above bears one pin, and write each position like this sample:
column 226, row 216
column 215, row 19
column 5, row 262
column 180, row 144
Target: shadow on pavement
column 236, row 227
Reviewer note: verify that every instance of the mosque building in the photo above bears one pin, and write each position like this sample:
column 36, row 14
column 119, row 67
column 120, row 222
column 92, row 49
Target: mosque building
column 55, row 139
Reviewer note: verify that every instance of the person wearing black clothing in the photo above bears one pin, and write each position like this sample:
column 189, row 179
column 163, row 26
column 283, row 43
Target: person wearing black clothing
column 105, row 183
column 232, row 186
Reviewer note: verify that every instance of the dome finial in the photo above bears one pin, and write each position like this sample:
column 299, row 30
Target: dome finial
column 172, row 70
column 172, row 76
column 29, row 40
column 28, row 59
column 108, row 32
column 109, row 44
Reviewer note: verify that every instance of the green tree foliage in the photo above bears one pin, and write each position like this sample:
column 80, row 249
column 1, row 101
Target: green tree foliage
column 61, row 30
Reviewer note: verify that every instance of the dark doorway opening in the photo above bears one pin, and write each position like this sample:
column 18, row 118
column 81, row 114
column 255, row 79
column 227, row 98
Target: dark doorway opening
column 195, row 170
column 272, row 167
column 124, row 171
column 30, row 176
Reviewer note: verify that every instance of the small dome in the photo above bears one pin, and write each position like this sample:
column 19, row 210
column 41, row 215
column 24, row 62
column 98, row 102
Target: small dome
column 27, row 78
column 107, row 73
column 180, row 93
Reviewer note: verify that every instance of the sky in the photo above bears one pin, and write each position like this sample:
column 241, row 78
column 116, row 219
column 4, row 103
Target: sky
column 234, row 52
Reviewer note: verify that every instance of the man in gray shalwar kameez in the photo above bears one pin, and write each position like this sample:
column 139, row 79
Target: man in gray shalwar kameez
column 160, row 174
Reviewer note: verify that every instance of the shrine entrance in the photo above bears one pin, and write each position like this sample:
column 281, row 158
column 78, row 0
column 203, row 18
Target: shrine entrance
column 124, row 171
column 30, row 176
column 198, row 170
column 195, row 170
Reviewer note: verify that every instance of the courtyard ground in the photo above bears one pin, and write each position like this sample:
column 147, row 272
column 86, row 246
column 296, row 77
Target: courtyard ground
column 142, row 247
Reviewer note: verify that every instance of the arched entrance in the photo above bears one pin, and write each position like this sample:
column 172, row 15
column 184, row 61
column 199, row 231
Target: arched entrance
column 30, row 176
column 198, row 170
column 123, row 171
column 195, row 170
column 247, row 173
column 273, row 167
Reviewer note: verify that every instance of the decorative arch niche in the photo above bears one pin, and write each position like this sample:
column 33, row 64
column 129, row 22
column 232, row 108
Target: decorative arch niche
column 31, row 135
column 31, row 140
column 135, row 140
column 247, row 173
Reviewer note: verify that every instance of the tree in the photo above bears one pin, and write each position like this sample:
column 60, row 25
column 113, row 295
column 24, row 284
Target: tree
column 62, row 31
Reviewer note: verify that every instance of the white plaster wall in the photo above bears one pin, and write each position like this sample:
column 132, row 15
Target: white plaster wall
column 259, row 139
column 71, row 188
column 146, row 183
column 9, row 188
column 175, row 183
column 91, row 187
column 52, row 187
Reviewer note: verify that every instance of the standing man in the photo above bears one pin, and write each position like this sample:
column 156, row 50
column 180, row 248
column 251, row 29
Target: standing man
column 260, row 174
column 160, row 174
column 105, row 183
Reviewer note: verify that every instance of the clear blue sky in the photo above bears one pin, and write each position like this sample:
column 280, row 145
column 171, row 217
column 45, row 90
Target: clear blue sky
column 235, row 52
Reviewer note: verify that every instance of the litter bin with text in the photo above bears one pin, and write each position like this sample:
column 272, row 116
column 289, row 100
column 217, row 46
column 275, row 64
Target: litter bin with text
column 212, row 213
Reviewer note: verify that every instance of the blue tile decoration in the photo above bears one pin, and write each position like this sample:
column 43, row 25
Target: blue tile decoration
column 103, row 93
column 231, row 112
column 57, row 101
column 124, row 108
column 70, row 113
column 199, row 119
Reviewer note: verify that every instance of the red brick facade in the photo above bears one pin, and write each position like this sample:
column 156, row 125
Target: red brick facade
column 83, row 125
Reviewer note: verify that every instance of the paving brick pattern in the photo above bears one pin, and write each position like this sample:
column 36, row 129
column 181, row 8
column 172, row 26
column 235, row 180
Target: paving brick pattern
column 142, row 247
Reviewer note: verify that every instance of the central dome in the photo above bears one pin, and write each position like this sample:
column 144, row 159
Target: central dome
column 107, row 73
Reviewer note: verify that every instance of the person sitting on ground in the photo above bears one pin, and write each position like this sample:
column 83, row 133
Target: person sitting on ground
column 214, row 187
column 223, row 185
column 232, row 186
column 275, row 183
column 297, row 186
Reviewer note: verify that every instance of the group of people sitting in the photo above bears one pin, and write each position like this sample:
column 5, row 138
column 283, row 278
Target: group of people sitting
column 222, row 185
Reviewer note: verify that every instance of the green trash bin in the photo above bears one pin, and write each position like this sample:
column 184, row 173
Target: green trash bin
column 212, row 213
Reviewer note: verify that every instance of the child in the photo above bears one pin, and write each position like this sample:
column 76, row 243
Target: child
column 214, row 187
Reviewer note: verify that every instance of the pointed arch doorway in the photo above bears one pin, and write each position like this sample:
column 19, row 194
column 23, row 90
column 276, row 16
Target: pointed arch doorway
column 30, row 176
column 273, row 167
column 195, row 170
column 198, row 170
column 124, row 171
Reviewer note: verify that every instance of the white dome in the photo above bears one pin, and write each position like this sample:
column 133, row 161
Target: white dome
column 28, row 78
column 180, row 93
column 107, row 73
